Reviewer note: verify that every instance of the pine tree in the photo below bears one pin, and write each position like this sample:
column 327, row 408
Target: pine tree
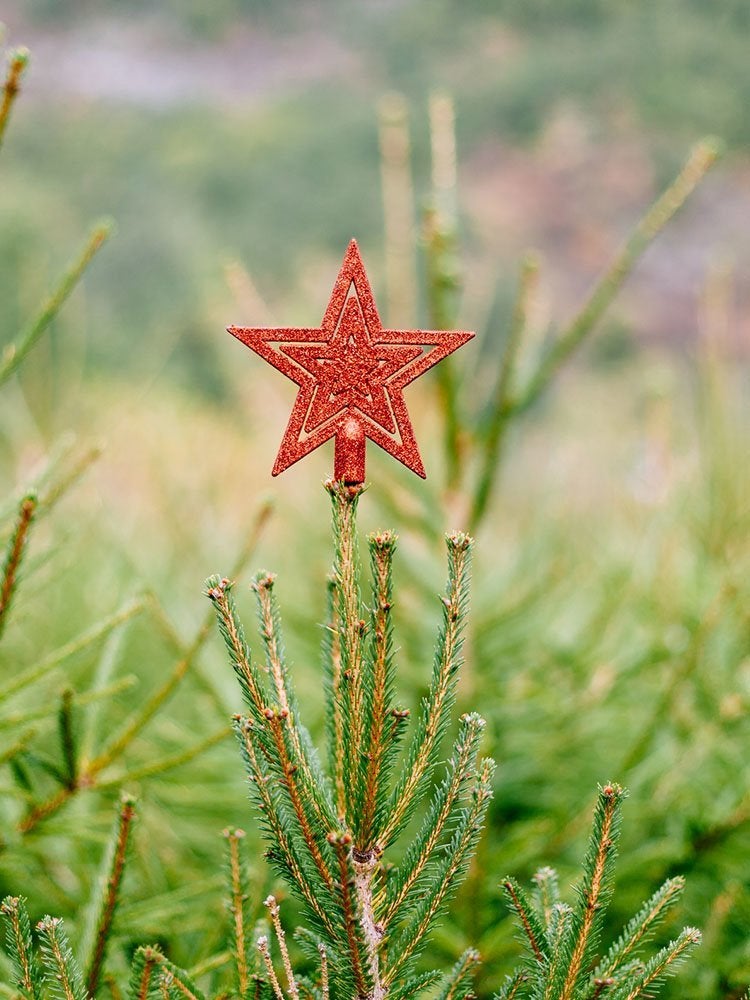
column 331, row 831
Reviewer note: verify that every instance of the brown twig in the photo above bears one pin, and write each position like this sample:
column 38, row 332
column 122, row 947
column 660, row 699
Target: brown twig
column 127, row 812
column 324, row 986
column 276, row 722
column 364, row 866
column 274, row 910
column 17, row 63
column 341, row 844
column 15, row 552
column 521, row 911
column 278, row 832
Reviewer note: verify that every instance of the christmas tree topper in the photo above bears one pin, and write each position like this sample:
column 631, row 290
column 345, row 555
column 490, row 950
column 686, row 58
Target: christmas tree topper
column 351, row 375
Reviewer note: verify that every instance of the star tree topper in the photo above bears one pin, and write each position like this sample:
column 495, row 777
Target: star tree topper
column 351, row 375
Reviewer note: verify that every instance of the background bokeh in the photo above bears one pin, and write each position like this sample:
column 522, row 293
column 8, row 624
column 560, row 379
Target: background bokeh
column 237, row 146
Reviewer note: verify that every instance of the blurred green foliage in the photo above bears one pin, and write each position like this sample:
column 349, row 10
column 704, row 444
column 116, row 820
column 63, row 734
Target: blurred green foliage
column 278, row 183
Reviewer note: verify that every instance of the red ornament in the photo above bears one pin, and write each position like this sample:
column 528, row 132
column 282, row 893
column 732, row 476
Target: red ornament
column 351, row 373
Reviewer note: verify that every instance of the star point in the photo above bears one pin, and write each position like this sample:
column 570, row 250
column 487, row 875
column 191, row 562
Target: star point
column 351, row 374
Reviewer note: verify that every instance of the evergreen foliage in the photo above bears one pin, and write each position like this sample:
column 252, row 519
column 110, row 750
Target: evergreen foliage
column 329, row 833
column 563, row 942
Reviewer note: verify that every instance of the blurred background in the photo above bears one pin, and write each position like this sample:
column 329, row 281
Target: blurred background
column 239, row 145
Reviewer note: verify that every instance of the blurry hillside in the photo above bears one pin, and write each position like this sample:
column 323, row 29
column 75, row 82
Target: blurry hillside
column 248, row 131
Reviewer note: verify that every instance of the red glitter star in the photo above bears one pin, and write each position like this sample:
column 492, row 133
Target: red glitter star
column 351, row 374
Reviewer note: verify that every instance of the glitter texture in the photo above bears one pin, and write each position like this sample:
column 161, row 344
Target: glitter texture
column 351, row 374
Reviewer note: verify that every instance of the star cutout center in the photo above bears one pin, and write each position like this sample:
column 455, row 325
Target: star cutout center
column 351, row 372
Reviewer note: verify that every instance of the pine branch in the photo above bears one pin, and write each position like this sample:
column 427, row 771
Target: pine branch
column 512, row 986
column 370, row 815
column 333, row 680
column 283, row 852
column 15, row 353
column 54, row 491
column 663, row 964
column 334, row 862
column 596, row 889
column 273, row 909
column 640, row 928
column 324, row 982
column 16, row 748
column 18, row 60
column 365, row 866
column 219, row 592
column 210, row 964
column 546, row 893
column 352, row 625
column 137, row 722
column 164, row 764
column 414, row 986
column 26, row 971
column 446, row 873
column 44, row 810
column 63, row 975
column 77, row 698
column 289, row 776
column 310, row 782
column 436, row 707
column 557, row 937
column 14, row 554
column 175, row 983
column 150, row 971
column 458, row 984
column 561, row 966
column 97, row 940
column 527, row 918
column 499, row 418
column 441, row 815
column 269, row 620
column 666, row 206
column 50, row 663
column 238, row 907
column 68, row 741
column 263, row 948
column 145, row 962
column 114, row 990
column 342, row 844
